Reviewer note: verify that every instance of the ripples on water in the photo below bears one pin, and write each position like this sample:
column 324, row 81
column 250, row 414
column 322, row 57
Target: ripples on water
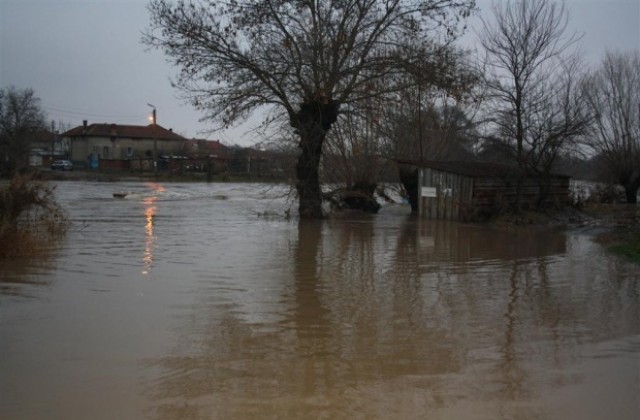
column 200, row 301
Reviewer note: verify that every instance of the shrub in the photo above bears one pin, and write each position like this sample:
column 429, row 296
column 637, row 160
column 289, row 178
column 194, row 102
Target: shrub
column 29, row 216
column 606, row 193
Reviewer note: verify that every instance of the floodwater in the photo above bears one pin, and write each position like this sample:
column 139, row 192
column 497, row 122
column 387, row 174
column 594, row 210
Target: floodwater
column 196, row 301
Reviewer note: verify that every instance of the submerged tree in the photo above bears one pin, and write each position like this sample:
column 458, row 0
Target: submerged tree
column 307, row 57
column 30, row 217
column 613, row 97
column 353, row 161
column 20, row 119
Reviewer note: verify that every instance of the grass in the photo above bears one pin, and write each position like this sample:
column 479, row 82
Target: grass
column 627, row 246
column 30, row 217
column 623, row 237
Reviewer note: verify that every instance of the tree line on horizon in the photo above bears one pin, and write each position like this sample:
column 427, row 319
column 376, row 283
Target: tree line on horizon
column 359, row 82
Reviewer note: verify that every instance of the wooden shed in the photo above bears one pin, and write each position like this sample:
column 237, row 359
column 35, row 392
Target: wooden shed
column 474, row 190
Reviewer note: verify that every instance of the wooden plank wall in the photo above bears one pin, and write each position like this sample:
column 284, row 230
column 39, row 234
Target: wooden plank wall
column 453, row 195
column 491, row 192
column 460, row 197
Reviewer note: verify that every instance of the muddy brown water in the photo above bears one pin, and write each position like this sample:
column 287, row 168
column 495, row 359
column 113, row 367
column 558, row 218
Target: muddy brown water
column 195, row 301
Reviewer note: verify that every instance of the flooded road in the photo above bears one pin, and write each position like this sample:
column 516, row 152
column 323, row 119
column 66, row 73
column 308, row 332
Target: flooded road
column 195, row 301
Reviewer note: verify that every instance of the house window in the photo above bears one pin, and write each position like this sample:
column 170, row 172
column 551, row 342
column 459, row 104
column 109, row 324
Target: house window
column 129, row 151
column 105, row 152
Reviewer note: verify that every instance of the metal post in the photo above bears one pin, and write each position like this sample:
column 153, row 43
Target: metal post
column 155, row 142
column 53, row 140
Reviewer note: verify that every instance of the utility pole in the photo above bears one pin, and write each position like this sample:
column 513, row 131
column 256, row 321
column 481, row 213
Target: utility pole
column 53, row 140
column 155, row 142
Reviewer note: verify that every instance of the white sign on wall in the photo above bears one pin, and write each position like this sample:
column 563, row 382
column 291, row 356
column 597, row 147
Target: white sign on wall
column 428, row 192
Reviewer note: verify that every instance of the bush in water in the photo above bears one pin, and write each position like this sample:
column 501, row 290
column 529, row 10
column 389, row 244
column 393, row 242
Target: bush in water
column 30, row 217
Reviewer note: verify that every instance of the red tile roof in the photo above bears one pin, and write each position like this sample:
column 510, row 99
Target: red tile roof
column 207, row 145
column 128, row 131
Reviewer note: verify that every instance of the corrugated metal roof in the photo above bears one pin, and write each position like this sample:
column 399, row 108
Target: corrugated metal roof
column 128, row 131
column 475, row 169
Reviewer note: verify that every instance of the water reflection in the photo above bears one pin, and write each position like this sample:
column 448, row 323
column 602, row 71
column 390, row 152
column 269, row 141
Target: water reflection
column 149, row 243
column 18, row 274
column 373, row 333
column 363, row 317
column 456, row 243
column 150, row 209
column 310, row 314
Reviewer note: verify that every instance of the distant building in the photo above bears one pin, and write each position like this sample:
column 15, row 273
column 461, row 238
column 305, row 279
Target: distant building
column 114, row 146
column 261, row 164
column 46, row 146
column 207, row 155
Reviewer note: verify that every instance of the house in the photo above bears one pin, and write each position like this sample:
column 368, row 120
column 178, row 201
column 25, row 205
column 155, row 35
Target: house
column 207, row 155
column 472, row 190
column 46, row 146
column 114, row 146
column 261, row 163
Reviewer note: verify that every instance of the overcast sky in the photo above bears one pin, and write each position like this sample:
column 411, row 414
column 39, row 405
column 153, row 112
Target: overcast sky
column 84, row 58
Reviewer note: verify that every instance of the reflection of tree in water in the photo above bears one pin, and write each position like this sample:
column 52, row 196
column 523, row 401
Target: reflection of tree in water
column 342, row 341
column 393, row 322
column 491, row 293
column 18, row 274
column 420, row 287
column 238, row 369
column 358, row 336
column 310, row 314
column 310, row 317
column 509, row 366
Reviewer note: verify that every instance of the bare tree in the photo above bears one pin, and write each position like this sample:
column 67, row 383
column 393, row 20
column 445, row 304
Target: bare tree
column 429, row 131
column 353, row 160
column 424, row 120
column 429, row 120
column 20, row 119
column 613, row 97
column 532, row 83
column 557, row 123
column 353, row 146
column 307, row 57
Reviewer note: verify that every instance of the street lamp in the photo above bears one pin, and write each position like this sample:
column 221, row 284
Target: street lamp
column 155, row 140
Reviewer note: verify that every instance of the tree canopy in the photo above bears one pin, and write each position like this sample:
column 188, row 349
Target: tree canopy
column 20, row 118
column 612, row 93
column 534, row 100
column 307, row 57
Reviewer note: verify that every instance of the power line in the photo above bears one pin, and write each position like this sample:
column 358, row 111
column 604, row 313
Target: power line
column 75, row 113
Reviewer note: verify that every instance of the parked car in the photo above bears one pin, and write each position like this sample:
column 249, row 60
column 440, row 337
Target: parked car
column 63, row 165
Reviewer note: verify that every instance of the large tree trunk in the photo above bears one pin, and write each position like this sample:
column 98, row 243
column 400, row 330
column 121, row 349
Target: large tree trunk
column 312, row 123
column 410, row 181
column 308, row 178
column 631, row 190
column 544, row 190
